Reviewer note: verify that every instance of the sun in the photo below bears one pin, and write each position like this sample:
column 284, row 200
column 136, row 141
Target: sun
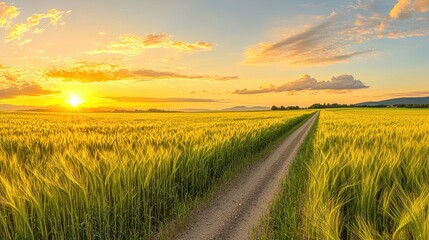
column 75, row 100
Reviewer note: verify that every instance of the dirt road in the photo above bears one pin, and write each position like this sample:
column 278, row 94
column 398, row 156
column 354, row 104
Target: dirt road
column 232, row 214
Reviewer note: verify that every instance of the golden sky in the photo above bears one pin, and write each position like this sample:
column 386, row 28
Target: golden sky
column 211, row 54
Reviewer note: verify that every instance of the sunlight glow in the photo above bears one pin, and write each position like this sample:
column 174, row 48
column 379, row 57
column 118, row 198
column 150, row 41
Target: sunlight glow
column 75, row 100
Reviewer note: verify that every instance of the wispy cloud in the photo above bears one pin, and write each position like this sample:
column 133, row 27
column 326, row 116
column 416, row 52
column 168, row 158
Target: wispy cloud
column 16, row 31
column 306, row 82
column 7, row 14
column 338, row 37
column 406, row 94
column 159, row 100
column 85, row 72
column 132, row 45
column 319, row 44
column 373, row 24
column 404, row 9
column 12, row 86
column 24, row 89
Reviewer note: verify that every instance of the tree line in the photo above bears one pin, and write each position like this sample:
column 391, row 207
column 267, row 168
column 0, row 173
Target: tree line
column 337, row 105
column 275, row 108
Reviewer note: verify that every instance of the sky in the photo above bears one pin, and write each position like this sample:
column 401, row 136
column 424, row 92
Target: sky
column 211, row 54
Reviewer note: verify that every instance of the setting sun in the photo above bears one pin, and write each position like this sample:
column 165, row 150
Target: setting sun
column 75, row 101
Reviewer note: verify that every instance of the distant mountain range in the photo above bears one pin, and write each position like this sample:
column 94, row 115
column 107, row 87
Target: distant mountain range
column 395, row 101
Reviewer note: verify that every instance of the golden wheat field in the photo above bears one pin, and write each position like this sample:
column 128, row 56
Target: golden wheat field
column 364, row 174
column 119, row 176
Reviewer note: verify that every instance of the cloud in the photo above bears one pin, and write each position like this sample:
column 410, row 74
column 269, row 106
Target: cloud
column 85, row 72
column 306, row 82
column 7, row 14
column 9, row 74
column 338, row 37
column 38, row 31
column 261, row 89
column 319, row 44
column 132, row 45
column 404, row 9
column 158, row 100
column 17, row 31
column 376, row 25
column 331, row 59
column 406, row 94
column 12, row 86
column 24, row 89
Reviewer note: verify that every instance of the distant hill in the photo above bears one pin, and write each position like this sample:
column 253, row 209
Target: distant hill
column 244, row 108
column 395, row 101
column 10, row 107
column 103, row 109
column 60, row 109
column 65, row 109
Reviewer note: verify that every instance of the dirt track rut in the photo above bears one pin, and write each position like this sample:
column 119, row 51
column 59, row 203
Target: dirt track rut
column 233, row 213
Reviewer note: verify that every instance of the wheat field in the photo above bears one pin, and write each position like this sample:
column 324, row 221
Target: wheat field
column 119, row 176
column 363, row 174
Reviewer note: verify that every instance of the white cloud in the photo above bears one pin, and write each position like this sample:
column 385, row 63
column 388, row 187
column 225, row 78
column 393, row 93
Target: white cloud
column 306, row 82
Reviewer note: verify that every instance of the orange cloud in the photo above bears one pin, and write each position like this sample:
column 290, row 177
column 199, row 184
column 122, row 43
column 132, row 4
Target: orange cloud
column 371, row 24
column 319, row 44
column 9, row 75
column 377, row 26
column 422, row 5
column 102, row 72
column 17, row 31
column 404, row 8
column 11, row 86
column 333, row 39
column 306, row 82
column 24, row 89
column 132, row 45
column 7, row 14
column 159, row 100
